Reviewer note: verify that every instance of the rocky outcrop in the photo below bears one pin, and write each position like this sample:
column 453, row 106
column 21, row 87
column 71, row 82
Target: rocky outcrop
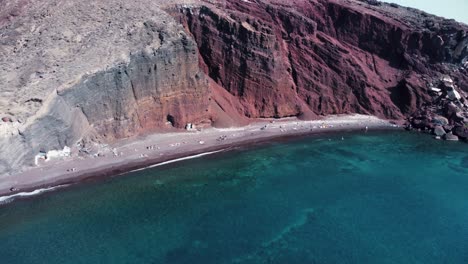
column 450, row 137
column 99, row 71
column 309, row 58
column 446, row 113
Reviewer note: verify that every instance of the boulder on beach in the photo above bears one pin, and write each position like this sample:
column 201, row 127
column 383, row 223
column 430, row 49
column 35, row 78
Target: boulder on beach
column 461, row 131
column 440, row 120
column 439, row 131
column 421, row 122
column 448, row 128
column 450, row 137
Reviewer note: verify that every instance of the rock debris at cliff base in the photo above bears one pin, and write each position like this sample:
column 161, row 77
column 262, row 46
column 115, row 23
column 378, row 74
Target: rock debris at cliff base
column 99, row 71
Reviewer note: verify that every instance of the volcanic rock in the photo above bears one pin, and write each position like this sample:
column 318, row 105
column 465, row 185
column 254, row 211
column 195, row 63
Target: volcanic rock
column 450, row 137
column 451, row 109
column 461, row 131
column 99, row 71
column 448, row 128
column 439, row 131
column 440, row 120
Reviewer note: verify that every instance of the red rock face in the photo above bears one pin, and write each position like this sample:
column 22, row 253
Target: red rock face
column 155, row 91
column 251, row 65
column 121, row 72
column 308, row 58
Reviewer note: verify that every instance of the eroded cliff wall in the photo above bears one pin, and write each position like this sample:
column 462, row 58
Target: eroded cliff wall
column 81, row 71
column 308, row 58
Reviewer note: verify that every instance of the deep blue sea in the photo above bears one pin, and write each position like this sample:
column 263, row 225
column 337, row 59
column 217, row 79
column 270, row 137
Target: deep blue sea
column 370, row 198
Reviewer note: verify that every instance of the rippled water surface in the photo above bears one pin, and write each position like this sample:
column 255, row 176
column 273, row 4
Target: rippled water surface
column 370, row 198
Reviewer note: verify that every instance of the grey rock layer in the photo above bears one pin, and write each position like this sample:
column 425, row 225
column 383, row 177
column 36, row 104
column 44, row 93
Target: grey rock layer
column 101, row 70
column 95, row 71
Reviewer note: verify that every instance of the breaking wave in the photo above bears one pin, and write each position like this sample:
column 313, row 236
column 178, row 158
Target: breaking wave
column 179, row 159
column 9, row 198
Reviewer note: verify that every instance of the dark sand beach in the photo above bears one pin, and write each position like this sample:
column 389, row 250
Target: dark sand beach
column 133, row 154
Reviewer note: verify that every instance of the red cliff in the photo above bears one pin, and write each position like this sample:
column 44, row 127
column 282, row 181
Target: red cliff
column 308, row 58
column 102, row 70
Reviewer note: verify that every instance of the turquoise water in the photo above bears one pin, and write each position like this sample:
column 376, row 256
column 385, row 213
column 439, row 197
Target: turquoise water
column 371, row 198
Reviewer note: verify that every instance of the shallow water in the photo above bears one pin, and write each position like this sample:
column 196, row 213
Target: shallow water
column 371, row 198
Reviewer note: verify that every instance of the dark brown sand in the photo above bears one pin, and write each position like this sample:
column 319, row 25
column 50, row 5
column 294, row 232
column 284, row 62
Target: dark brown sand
column 140, row 153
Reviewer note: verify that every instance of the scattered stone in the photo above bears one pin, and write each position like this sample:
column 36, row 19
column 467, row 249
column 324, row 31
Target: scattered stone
column 436, row 90
column 451, row 109
column 446, row 116
column 447, row 128
column 459, row 117
column 440, row 120
column 453, row 95
column 461, row 131
column 439, row 131
column 421, row 122
column 450, row 137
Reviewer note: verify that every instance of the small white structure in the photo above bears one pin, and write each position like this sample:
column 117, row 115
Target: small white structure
column 40, row 156
column 190, row 126
column 51, row 154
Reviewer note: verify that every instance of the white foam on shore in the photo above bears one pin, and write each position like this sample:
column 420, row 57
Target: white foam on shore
column 179, row 159
column 10, row 198
column 231, row 129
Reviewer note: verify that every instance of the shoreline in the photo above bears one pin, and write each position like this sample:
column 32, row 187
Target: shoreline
column 51, row 176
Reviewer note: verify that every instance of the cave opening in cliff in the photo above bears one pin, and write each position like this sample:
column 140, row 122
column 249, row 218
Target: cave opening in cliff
column 170, row 119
